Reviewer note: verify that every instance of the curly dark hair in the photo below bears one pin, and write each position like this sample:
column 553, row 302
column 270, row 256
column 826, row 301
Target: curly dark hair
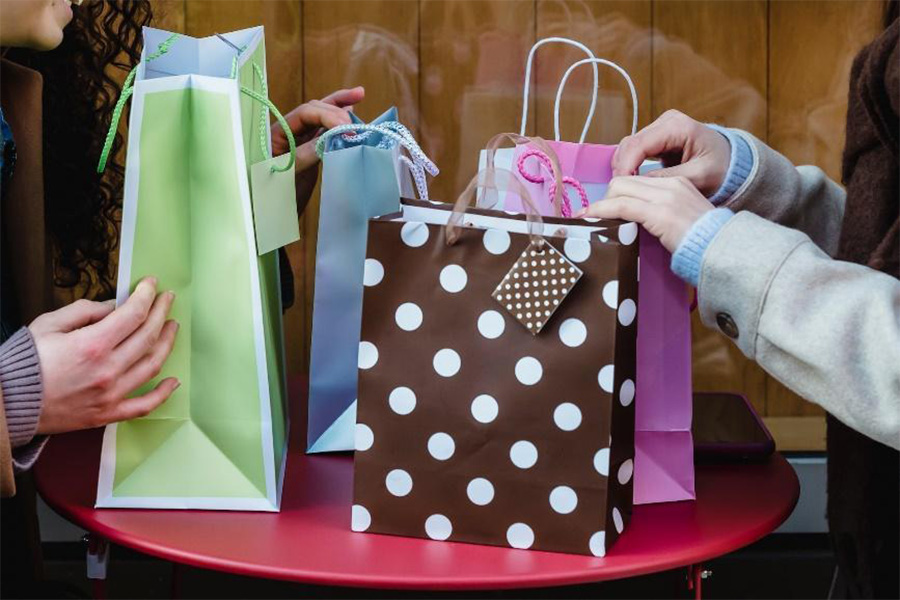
column 81, row 86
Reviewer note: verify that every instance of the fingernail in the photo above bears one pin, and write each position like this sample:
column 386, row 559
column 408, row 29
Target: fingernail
column 177, row 385
column 177, row 326
column 152, row 281
column 171, row 295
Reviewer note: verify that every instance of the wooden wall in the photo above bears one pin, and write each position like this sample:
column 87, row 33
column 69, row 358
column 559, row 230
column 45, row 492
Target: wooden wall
column 778, row 68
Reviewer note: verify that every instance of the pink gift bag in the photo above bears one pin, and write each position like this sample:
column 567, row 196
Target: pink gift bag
column 664, row 450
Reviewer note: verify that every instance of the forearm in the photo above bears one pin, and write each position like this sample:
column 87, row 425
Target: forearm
column 802, row 198
column 20, row 378
column 829, row 330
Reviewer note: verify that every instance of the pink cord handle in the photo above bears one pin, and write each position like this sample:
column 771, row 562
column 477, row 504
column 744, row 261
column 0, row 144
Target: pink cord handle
column 544, row 160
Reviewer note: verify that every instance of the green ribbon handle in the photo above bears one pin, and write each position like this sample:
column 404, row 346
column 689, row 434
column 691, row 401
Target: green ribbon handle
column 128, row 90
column 263, row 121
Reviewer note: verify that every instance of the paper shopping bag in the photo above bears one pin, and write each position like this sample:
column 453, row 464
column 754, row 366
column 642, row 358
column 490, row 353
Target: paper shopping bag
column 364, row 173
column 496, row 388
column 664, row 461
column 199, row 121
column 504, row 157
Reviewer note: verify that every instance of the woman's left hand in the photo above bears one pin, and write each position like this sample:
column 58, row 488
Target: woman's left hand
column 307, row 122
column 667, row 207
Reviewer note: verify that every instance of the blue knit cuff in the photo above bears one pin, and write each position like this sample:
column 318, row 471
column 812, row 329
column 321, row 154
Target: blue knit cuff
column 739, row 166
column 688, row 257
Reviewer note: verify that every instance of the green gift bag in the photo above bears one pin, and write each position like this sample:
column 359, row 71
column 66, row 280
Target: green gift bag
column 198, row 123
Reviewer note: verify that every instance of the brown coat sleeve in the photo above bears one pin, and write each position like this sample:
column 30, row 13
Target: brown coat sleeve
column 7, row 481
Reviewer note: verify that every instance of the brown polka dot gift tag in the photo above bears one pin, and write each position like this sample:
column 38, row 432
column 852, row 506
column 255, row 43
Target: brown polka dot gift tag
column 475, row 424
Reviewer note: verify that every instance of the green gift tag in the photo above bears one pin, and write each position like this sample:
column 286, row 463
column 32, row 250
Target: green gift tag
column 274, row 205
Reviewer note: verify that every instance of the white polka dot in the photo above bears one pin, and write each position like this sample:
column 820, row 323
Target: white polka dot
column 567, row 416
column 572, row 333
column 447, row 362
column 438, row 527
column 402, row 400
column 577, row 250
column 496, row 241
column 373, row 272
column 605, row 378
column 628, row 233
column 491, row 324
column 611, row 294
column 625, row 471
column 441, row 446
column 364, row 437
column 523, row 454
column 480, row 491
column 626, row 392
column 360, row 519
column 453, row 278
column 563, row 499
column 627, row 312
column 617, row 520
column 368, row 355
column 520, row 535
column 529, row 370
column 601, row 461
column 408, row 316
column 414, row 234
column 398, row 482
column 484, row 408
column 597, row 544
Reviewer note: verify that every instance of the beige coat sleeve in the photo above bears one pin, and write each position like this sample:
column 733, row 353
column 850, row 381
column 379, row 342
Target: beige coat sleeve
column 829, row 330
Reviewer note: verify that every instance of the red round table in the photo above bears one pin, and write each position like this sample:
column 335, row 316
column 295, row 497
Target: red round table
column 310, row 540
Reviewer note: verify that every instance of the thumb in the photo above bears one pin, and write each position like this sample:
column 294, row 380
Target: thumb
column 80, row 313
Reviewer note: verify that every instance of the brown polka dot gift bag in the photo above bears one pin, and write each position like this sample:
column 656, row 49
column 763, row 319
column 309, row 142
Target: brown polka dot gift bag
column 496, row 376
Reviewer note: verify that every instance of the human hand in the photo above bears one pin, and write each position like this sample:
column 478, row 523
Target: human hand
column 666, row 207
column 307, row 122
column 94, row 355
column 686, row 147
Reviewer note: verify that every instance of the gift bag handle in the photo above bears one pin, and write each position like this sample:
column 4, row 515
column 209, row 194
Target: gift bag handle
column 419, row 164
column 595, row 62
column 128, row 90
column 485, row 178
column 263, row 122
column 527, row 85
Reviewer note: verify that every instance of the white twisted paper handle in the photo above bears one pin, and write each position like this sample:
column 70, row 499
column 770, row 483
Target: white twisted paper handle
column 393, row 133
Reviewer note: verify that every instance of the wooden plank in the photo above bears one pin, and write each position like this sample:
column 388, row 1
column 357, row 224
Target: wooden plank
column 357, row 42
column 284, row 57
column 797, row 433
column 709, row 60
column 472, row 55
column 617, row 30
column 169, row 15
column 811, row 49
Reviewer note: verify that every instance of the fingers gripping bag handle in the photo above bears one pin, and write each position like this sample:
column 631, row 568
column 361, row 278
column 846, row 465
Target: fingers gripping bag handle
column 392, row 132
column 527, row 84
column 595, row 62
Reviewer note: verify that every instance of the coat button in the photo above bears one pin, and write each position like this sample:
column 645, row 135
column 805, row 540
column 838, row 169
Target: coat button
column 727, row 325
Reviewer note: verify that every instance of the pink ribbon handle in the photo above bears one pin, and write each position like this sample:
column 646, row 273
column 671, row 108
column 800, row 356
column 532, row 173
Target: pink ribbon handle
column 544, row 161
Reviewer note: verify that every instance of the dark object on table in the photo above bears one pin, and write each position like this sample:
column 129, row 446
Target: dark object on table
column 727, row 429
